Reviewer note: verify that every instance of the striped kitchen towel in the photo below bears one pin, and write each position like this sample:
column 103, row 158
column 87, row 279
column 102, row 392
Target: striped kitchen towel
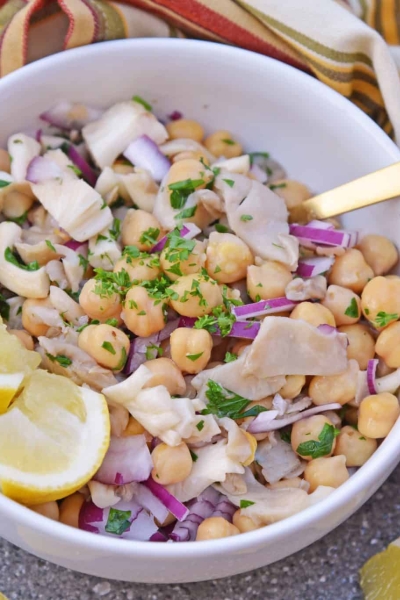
column 351, row 45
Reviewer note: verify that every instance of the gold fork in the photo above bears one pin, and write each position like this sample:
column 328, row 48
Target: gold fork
column 373, row 188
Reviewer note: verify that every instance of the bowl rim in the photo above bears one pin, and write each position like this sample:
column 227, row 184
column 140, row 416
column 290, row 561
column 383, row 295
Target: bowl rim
column 381, row 460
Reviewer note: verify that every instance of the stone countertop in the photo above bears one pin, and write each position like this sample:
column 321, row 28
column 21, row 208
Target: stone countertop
column 327, row 570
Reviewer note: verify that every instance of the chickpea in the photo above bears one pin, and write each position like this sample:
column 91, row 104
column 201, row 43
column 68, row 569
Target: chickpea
column 143, row 315
column 326, row 389
column 313, row 313
column 344, row 304
column 138, row 269
column 214, row 528
column 294, row 482
column 293, row 386
column 356, row 448
column 191, row 349
column 189, row 169
column 30, row 321
column 195, row 295
column 377, row 415
column 361, row 344
column 243, row 523
column 166, row 372
column 381, row 295
column 47, row 509
column 133, row 428
column 193, row 264
column 267, row 281
column 23, row 337
column 101, row 307
column 227, row 257
column 5, row 163
column 185, row 128
column 308, row 430
column 172, row 464
column 16, row 204
column 331, row 472
column 239, row 346
column 135, row 224
column 293, row 192
column 388, row 345
column 70, row 508
column 351, row 271
column 379, row 252
column 108, row 345
column 194, row 154
column 220, row 143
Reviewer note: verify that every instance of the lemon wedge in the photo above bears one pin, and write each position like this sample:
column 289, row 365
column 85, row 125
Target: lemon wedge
column 380, row 576
column 9, row 386
column 53, row 439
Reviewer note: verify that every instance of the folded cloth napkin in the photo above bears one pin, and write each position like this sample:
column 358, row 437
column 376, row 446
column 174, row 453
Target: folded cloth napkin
column 351, row 45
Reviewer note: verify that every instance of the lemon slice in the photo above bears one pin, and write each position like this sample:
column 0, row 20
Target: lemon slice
column 380, row 576
column 52, row 439
column 9, row 385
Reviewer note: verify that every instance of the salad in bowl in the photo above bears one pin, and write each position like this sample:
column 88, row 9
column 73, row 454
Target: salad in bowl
column 177, row 361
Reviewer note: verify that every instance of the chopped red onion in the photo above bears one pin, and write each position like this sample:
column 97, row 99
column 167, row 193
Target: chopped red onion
column 264, row 422
column 158, row 536
column 310, row 267
column 188, row 231
column 371, row 375
column 200, row 508
column 241, row 329
column 62, row 115
column 42, row 168
column 78, row 160
column 75, row 245
column 144, row 152
column 38, row 135
column 151, row 503
column 175, row 115
column 171, row 503
column 325, row 237
column 139, row 346
column 126, row 520
column 225, row 509
column 320, row 225
column 263, row 307
column 259, row 173
column 327, row 329
column 128, row 459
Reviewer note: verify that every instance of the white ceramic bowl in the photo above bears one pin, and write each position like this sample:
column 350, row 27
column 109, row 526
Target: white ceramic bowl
column 322, row 140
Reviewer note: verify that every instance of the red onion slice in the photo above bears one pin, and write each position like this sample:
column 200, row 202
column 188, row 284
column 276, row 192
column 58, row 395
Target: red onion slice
column 326, row 237
column 139, row 346
column 172, row 504
column 225, row 509
column 320, row 225
column 264, row 307
column 78, row 160
column 188, row 231
column 151, row 503
column 200, row 508
column 175, row 115
column 371, row 375
column 327, row 329
column 127, row 460
column 75, row 245
column 41, row 169
column 144, row 153
column 67, row 115
column 310, row 267
column 264, row 423
column 240, row 329
column 126, row 520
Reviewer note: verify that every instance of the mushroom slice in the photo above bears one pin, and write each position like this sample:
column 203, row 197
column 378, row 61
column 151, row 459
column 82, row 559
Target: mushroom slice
column 26, row 283
column 118, row 126
column 70, row 310
column 285, row 346
column 42, row 252
column 22, row 149
column 74, row 267
column 76, row 207
column 137, row 187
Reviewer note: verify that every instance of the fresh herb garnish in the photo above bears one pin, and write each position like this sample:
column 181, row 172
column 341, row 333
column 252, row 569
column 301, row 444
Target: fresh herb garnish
column 253, row 155
column 230, row 182
column 228, row 141
column 62, row 360
column 277, row 186
column 14, row 260
column 4, row 308
column 246, row 503
column 152, row 351
column 320, row 447
column 187, row 213
column 225, row 403
column 200, row 425
column 383, row 318
column 122, row 362
column 194, row 357
column 108, row 283
column 75, row 170
column 83, row 262
column 221, row 228
column 118, row 521
column 115, row 230
column 143, row 102
column 285, row 436
column 50, row 246
column 181, row 190
column 230, row 357
column 246, row 218
column 149, row 237
column 3, row 183
column 19, row 220
column 109, row 347
column 193, row 455
column 352, row 309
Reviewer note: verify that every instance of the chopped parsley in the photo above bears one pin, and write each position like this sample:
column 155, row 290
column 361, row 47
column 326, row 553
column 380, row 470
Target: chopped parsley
column 221, row 228
column 152, row 351
column 178, row 249
column 193, row 455
column 61, row 359
column 19, row 220
column 16, row 261
column 143, row 102
column 352, row 309
column 194, row 357
column 253, row 155
column 228, row 141
column 285, row 436
column 4, row 308
column 217, row 269
column 229, row 182
column 118, row 521
column 122, row 362
column 4, row 183
column 383, row 318
column 101, row 238
column 142, row 313
column 50, row 246
column 83, row 262
column 246, row 503
column 187, row 213
column 181, row 190
column 108, row 283
column 75, row 170
column 225, row 403
column 277, row 186
column 246, row 218
column 149, row 237
column 230, row 357
column 109, row 347
column 115, row 230
column 320, row 447
column 200, row 425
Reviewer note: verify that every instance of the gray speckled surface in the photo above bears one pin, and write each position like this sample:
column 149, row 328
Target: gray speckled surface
column 327, row 570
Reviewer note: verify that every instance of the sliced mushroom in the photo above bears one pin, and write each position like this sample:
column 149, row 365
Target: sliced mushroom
column 74, row 268
column 69, row 310
column 29, row 284
column 42, row 252
column 136, row 187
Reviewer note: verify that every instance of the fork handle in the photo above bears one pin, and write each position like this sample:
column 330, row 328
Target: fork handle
column 373, row 188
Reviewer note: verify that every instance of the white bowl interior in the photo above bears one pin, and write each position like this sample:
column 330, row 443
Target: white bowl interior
column 321, row 139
